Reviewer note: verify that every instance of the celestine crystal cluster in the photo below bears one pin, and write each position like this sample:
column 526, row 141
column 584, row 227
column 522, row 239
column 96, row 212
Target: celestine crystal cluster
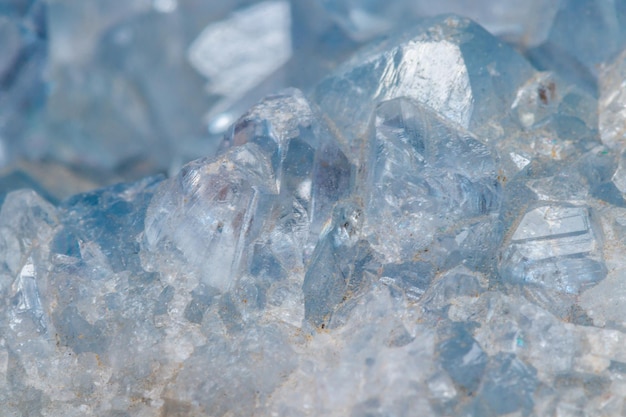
column 312, row 208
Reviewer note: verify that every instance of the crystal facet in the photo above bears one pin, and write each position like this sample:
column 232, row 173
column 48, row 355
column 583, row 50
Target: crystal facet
column 391, row 215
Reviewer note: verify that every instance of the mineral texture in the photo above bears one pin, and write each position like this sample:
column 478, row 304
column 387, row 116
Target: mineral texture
column 312, row 208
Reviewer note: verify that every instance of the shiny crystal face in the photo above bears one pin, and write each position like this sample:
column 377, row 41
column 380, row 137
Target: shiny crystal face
column 312, row 208
column 556, row 247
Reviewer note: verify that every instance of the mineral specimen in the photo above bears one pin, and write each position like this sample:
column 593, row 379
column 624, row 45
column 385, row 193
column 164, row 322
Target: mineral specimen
column 433, row 222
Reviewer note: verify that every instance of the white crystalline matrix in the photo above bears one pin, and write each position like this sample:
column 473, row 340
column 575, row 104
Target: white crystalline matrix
column 312, row 208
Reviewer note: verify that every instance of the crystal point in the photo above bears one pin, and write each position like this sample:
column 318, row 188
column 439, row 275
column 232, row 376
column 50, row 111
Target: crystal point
column 221, row 196
column 392, row 214
column 434, row 64
column 340, row 268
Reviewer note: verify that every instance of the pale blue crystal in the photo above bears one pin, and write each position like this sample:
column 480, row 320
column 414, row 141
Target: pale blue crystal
column 426, row 174
column 557, row 247
column 462, row 358
column 456, row 282
column 435, row 228
column 434, row 63
column 508, row 386
column 411, row 279
column 611, row 102
column 310, row 167
column 339, row 270
column 111, row 218
column 221, row 196
column 26, row 224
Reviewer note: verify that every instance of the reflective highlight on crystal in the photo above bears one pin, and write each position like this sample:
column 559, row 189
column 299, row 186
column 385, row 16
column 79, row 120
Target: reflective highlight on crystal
column 433, row 224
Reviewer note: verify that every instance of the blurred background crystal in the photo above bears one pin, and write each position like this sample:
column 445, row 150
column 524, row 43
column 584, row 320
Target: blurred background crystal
column 294, row 207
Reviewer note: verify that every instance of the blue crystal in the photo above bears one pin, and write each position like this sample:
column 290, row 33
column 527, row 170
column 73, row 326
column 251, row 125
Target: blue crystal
column 432, row 223
column 433, row 63
column 112, row 218
column 555, row 246
column 221, row 196
column 78, row 334
column 463, row 359
column 426, row 173
column 508, row 386
column 338, row 271
column 308, row 164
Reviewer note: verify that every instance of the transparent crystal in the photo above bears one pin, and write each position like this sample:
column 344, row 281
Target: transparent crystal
column 557, row 247
column 26, row 222
column 221, row 196
column 433, row 63
column 340, row 268
column 558, row 121
column 309, row 166
column 619, row 176
column 508, row 386
column 426, row 173
column 457, row 282
column 436, row 228
column 462, row 358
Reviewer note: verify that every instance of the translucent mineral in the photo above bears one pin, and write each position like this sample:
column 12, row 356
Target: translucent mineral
column 611, row 103
column 340, row 268
column 222, row 197
column 426, row 174
column 391, row 216
column 555, row 246
column 432, row 63
column 310, row 167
